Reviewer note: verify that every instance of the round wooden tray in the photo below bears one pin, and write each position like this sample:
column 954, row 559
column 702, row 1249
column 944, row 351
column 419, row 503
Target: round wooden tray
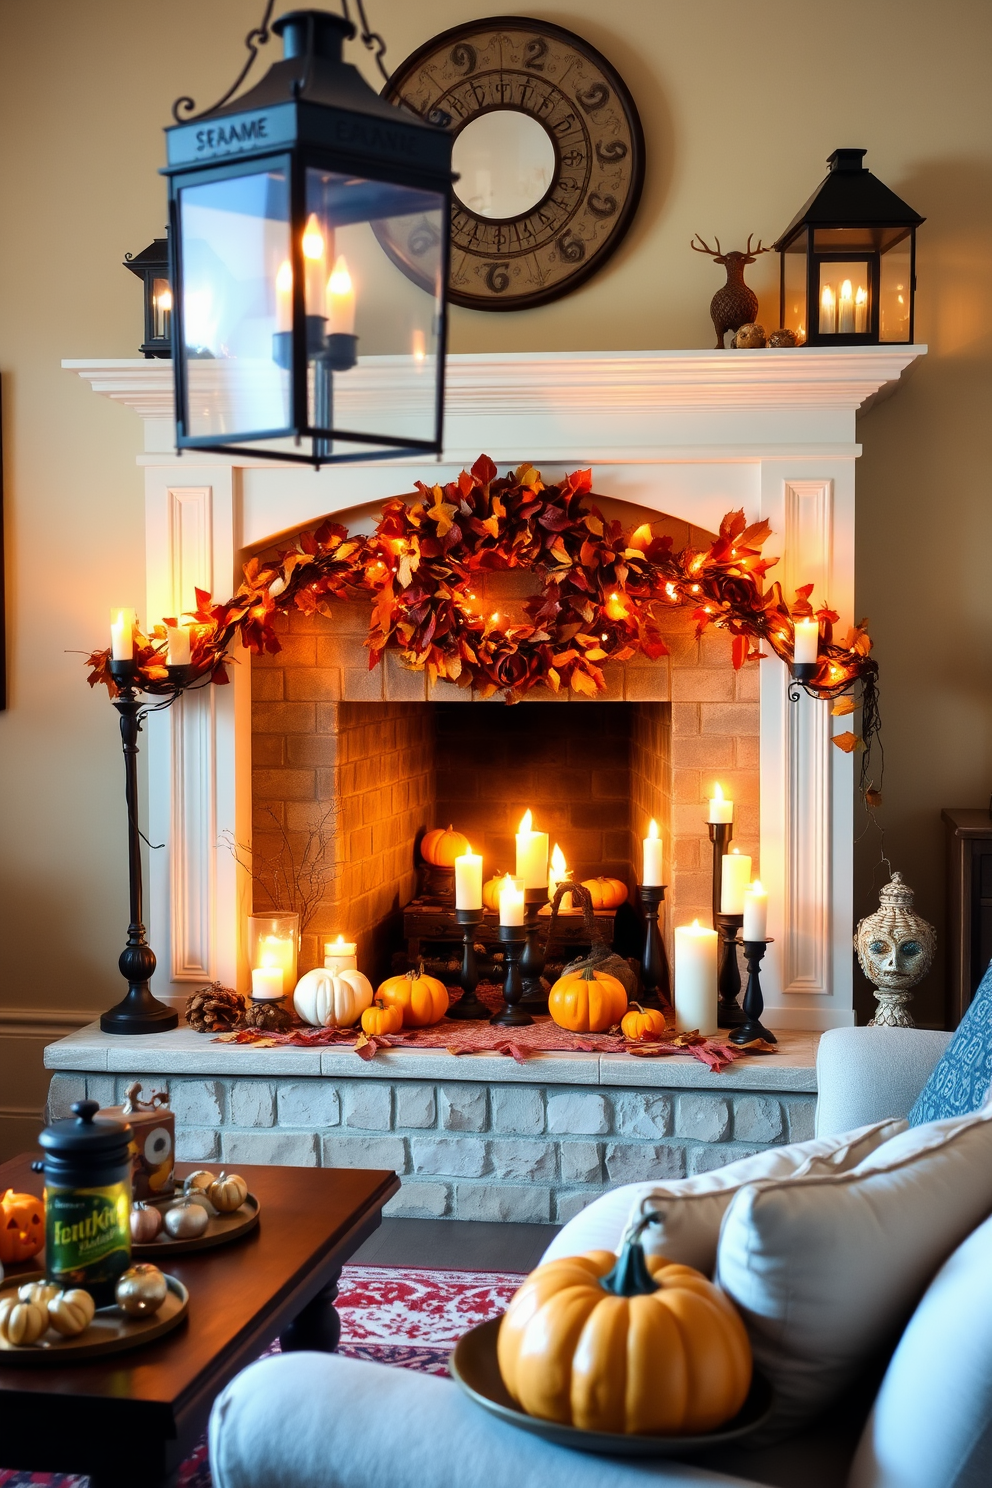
column 474, row 1365
column 221, row 1229
column 110, row 1332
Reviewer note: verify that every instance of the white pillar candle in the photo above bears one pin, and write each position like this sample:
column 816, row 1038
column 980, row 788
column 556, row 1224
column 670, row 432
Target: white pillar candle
column 284, row 297
column 532, row 855
column 720, row 810
column 736, row 870
column 755, row 912
column 314, row 265
column 828, row 312
column 695, row 978
column 861, row 310
column 340, row 300
column 178, row 653
column 845, row 309
column 340, row 955
column 511, row 901
column 122, row 623
column 276, row 951
column 651, row 874
column 267, row 983
column 807, row 642
column 468, row 881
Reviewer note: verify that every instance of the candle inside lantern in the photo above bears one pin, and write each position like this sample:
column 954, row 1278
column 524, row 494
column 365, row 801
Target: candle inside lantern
column 274, row 951
column 122, row 623
column 559, row 873
column 828, row 312
column 340, row 300
column 861, row 310
column 314, row 265
column 532, row 855
column 267, row 983
column 615, row 608
column 651, row 875
column 755, row 912
column 695, row 978
column 736, row 871
column 511, row 901
column 284, row 296
column 340, row 955
column 178, row 652
column 468, row 881
column 720, row 810
column 845, row 309
column 807, row 642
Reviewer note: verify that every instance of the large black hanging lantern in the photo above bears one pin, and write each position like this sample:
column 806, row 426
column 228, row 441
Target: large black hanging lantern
column 848, row 261
column 291, row 210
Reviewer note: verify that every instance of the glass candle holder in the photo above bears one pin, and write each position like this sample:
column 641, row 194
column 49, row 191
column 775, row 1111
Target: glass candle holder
column 274, row 942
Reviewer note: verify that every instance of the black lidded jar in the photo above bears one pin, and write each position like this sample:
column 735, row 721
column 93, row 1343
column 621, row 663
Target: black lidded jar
column 87, row 1170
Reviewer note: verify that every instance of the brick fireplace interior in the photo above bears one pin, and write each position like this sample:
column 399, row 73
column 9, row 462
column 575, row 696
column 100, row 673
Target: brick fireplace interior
column 372, row 759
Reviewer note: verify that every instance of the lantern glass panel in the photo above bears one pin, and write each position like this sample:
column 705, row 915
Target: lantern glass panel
column 794, row 289
column 843, row 297
column 374, row 267
column 895, row 298
column 161, row 309
column 234, row 236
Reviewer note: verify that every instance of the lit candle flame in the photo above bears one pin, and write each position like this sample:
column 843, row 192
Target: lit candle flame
column 526, row 825
column 827, row 297
column 861, row 298
column 313, row 239
column 641, row 536
column 340, row 281
column 653, row 827
column 717, row 792
column 559, row 867
column 757, row 887
column 284, row 278
column 165, row 300
column 846, row 291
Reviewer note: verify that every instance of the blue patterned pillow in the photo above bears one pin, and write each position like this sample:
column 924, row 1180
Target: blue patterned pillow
column 960, row 1083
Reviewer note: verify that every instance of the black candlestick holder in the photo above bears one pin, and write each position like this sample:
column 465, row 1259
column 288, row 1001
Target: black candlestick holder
column 468, row 1005
column 728, row 1011
column 754, row 1003
column 720, row 836
column 801, row 675
column 511, row 1014
column 535, row 998
column 656, row 982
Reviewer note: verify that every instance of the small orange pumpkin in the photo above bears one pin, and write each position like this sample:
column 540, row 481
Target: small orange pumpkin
column 587, row 1001
column 421, row 999
column 379, row 1019
column 441, row 847
column 490, row 892
column 22, row 1226
column 642, row 1023
column 607, row 893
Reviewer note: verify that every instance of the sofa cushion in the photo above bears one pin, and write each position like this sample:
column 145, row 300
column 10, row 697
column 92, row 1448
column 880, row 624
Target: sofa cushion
column 826, row 1268
column 932, row 1419
column 961, row 1081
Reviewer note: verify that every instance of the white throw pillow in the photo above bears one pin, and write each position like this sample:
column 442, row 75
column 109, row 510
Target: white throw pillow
column 826, row 1268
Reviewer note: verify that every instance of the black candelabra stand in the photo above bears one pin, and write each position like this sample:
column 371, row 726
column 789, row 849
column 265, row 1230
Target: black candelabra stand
column 511, row 1014
column 139, row 1011
column 468, row 1005
column 535, row 998
column 656, row 983
column 729, row 1014
column 754, row 1003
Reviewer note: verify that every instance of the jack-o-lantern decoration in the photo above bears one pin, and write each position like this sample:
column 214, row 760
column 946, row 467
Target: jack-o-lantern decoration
column 587, row 1001
column 607, row 893
column 332, row 999
column 22, row 1226
column 422, row 999
column 441, row 847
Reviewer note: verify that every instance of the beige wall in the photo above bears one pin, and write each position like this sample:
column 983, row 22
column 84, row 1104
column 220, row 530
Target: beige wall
column 741, row 104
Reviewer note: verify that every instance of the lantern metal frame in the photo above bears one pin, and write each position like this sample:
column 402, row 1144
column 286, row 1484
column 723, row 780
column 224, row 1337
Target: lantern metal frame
column 293, row 122
column 850, row 198
column 152, row 264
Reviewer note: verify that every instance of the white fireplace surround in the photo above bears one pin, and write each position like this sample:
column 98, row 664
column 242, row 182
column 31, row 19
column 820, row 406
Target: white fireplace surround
column 693, row 434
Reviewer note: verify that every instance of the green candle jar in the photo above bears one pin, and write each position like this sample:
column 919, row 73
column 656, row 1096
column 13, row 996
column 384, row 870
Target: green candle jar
column 87, row 1202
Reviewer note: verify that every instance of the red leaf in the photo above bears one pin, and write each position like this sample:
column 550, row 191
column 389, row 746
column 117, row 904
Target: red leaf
column 484, row 470
column 741, row 649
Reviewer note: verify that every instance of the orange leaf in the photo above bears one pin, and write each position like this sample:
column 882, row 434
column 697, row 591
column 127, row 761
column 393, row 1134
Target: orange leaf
column 843, row 706
column 582, row 682
column 848, row 742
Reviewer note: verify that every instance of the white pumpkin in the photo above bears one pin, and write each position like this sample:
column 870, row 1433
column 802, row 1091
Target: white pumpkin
column 332, row 999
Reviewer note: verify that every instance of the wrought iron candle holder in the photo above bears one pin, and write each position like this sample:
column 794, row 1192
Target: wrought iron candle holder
column 721, row 834
column 754, row 1003
column 728, row 1010
column 656, row 983
column 511, row 1014
column 468, row 1005
column 535, row 998
column 802, row 674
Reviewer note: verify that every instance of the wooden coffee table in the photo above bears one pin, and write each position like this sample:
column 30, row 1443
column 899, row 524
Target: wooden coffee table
column 133, row 1417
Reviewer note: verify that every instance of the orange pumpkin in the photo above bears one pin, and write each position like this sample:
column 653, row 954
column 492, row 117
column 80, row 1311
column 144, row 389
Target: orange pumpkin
column 22, row 1226
column 587, row 1001
column 642, row 1023
column 607, row 893
column 382, row 1019
column 441, row 847
column 490, row 892
column 421, row 999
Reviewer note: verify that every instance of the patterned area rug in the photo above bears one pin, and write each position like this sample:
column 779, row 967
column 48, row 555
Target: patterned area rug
column 410, row 1319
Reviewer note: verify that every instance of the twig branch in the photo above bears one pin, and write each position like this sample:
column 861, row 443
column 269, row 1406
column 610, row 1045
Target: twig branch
column 288, row 880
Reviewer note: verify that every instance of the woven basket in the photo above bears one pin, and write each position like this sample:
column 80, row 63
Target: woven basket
column 600, row 956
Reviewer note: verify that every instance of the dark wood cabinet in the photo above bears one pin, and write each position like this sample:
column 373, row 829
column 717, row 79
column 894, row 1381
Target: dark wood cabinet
column 968, row 835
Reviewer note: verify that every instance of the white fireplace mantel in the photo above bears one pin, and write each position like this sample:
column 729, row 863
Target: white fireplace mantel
column 690, row 433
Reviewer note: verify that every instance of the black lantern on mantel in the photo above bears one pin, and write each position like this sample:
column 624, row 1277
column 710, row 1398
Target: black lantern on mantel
column 152, row 267
column 848, row 261
column 291, row 212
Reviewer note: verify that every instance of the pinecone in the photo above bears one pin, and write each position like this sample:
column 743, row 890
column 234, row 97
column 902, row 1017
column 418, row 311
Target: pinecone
column 215, row 1009
column 270, row 1016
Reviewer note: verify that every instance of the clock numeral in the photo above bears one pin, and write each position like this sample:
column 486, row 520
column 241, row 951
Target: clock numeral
column 572, row 158
column 423, row 237
column 562, row 126
column 497, row 279
column 571, row 248
column 593, row 97
column 610, row 153
column 464, row 56
column 601, row 206
column 534, row 54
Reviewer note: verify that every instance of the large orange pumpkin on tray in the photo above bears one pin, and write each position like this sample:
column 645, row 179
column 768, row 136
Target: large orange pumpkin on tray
column 422, row 999
column 22, row 1226
column 587, row 1001
column 628, row 1345
column 442, row 846
column 607, row 893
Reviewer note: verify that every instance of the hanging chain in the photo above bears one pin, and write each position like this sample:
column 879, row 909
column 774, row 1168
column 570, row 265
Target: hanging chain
column 371, row 40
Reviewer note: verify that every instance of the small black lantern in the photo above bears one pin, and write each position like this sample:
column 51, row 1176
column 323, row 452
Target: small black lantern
column 152, row 267
column 309, row 236
column 848, row 261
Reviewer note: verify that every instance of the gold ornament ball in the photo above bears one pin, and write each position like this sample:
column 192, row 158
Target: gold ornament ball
column 141, row 1290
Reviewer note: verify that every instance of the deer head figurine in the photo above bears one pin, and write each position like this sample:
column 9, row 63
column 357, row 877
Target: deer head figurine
column 735, row 304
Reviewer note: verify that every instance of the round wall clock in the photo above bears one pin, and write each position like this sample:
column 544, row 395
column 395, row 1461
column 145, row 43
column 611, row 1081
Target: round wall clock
column 548, row 149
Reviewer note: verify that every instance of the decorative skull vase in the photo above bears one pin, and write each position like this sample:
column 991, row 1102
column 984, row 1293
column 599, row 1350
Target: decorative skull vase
column 895, row 948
